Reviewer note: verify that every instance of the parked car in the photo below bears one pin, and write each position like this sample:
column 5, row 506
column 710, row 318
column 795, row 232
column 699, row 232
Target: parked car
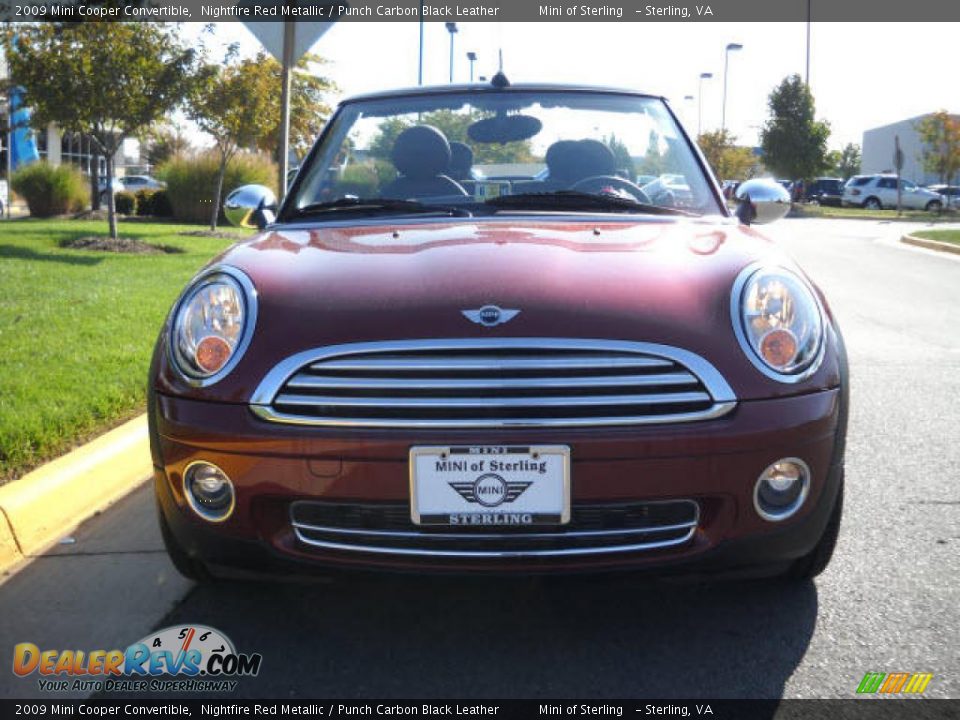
column 825, row 191
column 131, row 183
column 949, row 193
column 566, row 376
column 875, row 192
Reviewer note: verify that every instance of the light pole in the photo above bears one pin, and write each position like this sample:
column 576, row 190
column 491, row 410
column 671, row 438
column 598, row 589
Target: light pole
column 690, row 99
column 726, row 63
column 472, row 57
column 807, row 82
column 452, row 29
column 420, row 63
column 703, row 76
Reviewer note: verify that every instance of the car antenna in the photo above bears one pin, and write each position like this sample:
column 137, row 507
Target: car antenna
column 500, row 80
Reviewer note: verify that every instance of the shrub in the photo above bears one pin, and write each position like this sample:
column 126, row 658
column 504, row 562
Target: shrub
column 50, row 190
column 153, row 203
column 125, row 203
column 191, row 182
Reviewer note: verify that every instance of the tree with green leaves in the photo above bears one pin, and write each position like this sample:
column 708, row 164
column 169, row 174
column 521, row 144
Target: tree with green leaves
column 847, row 163
column 235, row 105
column 940, row 134
column 108, row 80
column 794, row 142
column 728, row 160
column 165, row 142
column 623, row 161
column 309, row 109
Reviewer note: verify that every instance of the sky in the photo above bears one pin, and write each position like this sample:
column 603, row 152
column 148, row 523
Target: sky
column 862, row 75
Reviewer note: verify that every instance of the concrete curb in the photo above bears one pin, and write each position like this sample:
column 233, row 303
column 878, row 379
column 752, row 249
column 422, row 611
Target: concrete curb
column 931, row 244
column 49, row 502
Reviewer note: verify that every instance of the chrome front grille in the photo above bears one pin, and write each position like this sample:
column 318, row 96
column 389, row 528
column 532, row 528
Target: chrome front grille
column 386, row 529
column 502, row 382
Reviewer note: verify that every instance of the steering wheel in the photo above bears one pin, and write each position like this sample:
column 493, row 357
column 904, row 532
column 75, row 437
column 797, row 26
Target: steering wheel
column 601, row 184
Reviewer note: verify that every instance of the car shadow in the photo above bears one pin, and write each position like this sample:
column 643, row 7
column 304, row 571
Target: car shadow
column 441, row 637
column 22, row 253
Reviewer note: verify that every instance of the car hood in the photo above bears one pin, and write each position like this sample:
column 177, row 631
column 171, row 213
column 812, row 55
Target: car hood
column 667, row 282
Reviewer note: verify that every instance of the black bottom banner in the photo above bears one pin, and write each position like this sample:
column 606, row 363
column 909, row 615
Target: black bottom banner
column 854, row 709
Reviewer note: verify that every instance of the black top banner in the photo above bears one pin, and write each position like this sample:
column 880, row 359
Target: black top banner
column 484, row 10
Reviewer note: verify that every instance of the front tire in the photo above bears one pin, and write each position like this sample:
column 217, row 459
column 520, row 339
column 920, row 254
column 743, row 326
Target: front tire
column 934, row 206
column 872, row 203
column 186, row 565
column 816, row 561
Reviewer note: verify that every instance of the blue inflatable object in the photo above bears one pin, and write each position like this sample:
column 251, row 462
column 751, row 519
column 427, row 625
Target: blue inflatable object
column 23, row 142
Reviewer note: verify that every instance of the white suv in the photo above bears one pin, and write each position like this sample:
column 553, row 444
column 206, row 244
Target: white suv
column 880, row 191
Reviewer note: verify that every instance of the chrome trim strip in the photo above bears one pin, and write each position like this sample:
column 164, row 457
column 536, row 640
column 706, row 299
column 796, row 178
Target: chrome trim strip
column 302, row 380
column 373, row 549
column 497, row 402
column 265, row 412
column 736, row 303
column 720, row 392
column 493, row 363
column 491, row 536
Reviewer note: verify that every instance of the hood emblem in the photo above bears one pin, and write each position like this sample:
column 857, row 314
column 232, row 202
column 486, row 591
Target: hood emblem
column 490, row 315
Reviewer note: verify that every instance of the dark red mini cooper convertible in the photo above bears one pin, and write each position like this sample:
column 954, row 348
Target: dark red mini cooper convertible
column 501, row 329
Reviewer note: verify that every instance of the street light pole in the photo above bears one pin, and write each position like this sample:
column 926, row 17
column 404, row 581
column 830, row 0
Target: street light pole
column 726, row 64
column 808, row 42
column 420, row 63
column 472, row 57
column 452, row 29
column 703, row 76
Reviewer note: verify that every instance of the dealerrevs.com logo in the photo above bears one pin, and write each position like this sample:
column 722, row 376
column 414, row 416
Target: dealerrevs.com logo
column 178, row 658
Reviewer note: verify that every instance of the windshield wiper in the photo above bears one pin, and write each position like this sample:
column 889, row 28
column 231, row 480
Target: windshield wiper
column 576, row 200
column 377, row 206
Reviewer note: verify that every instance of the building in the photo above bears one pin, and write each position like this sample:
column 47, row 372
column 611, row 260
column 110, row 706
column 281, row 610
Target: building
column 878, row 148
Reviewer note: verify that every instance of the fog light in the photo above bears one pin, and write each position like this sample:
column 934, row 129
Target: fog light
column 781, row 489
column 208, row 491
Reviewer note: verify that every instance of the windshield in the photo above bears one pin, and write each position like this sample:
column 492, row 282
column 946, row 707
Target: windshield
column 512, row 151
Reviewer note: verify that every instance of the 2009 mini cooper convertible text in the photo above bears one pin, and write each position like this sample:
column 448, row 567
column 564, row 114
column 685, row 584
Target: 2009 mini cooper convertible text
column 501, row 328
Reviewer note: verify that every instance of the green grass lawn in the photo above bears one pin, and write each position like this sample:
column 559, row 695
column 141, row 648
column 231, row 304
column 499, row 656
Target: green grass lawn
column 77, row 329
column 824, row 211
column 949, row 236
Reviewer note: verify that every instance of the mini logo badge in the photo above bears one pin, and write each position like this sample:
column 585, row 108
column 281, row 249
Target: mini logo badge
column 490, row 490
column 490, row 315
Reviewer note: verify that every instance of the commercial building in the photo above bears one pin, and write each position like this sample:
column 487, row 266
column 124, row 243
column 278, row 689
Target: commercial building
column 878, row 151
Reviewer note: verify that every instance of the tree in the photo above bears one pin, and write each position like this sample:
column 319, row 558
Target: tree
column 621, row 155
column 794, row 142
column 729, row 162
column 309, row 109
column 164, row 142
column 454, row 127
column 236, row 106
column 847, row 164
column 940, row 135
column 109, row 80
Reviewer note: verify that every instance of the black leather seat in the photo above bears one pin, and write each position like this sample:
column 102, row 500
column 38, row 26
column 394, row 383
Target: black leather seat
column 461, row 164
column 569, row 162
column 421, row 155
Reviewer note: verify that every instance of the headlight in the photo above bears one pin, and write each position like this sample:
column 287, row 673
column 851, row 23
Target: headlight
column 778, row 320
column 212, row 325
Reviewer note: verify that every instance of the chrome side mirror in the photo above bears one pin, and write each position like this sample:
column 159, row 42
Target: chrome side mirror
column 250, row 206
column 761, row 201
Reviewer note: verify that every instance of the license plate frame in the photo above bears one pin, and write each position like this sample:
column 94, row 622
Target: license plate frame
column 478, row 481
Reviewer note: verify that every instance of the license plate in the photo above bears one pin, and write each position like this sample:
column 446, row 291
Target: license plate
column 486, row 485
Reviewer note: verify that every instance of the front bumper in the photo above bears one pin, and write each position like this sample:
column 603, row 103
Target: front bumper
column 714, row 463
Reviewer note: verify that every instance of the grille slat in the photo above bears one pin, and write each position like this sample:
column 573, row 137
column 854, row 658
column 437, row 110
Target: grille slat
column 318, row 382
column 593, row 529
column 503, row 382
column 492, row 402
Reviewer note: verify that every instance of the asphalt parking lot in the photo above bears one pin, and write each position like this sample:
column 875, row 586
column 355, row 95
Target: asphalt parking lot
column 890, row 601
